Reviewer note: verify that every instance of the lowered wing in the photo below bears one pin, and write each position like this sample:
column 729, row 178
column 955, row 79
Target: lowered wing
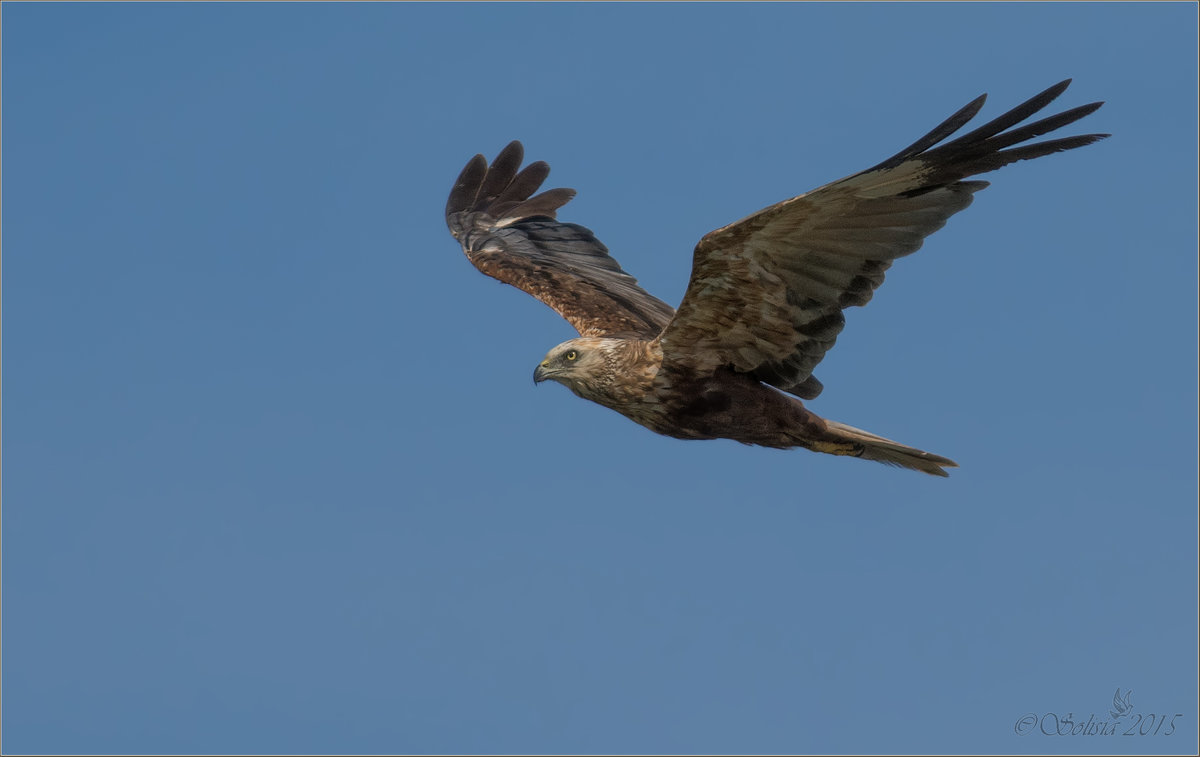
column 766, row 293
column 511, row 234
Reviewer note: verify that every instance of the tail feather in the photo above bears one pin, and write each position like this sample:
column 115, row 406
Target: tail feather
column 889, row 452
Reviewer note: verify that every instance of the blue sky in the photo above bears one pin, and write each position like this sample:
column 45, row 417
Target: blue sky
column 276, row 478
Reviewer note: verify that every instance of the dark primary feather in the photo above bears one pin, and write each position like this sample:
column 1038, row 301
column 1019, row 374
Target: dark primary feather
column 512, row 235
column 766, row 293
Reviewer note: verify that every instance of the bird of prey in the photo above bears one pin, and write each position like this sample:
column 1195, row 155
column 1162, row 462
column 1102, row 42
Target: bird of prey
column 765, row 299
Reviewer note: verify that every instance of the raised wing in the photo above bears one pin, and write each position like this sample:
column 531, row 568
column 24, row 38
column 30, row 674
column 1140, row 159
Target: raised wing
column 766, row 293
column 511, row 235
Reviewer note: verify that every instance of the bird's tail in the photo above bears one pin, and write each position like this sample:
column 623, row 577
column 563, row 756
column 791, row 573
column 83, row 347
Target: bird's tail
column 890, row 453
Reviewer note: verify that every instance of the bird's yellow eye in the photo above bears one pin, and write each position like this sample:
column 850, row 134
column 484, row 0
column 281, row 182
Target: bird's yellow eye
column 571, row 355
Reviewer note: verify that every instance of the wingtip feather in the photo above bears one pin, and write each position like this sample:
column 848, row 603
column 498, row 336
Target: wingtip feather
column 466, row 186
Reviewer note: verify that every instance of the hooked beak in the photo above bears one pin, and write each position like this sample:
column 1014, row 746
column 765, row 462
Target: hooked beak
column 542, row 372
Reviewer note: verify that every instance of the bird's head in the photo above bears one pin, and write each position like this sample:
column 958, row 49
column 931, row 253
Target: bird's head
column 583, row 365
column 577, row 364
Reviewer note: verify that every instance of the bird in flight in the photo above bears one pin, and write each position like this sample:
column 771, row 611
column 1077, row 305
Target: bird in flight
column 765, row 299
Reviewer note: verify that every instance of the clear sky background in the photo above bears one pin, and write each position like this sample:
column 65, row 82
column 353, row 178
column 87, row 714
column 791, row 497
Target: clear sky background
column 277, row 479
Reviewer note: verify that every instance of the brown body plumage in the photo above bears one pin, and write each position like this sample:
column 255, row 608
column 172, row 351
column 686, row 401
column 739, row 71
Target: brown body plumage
column 627, row 375
column 765, row 299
